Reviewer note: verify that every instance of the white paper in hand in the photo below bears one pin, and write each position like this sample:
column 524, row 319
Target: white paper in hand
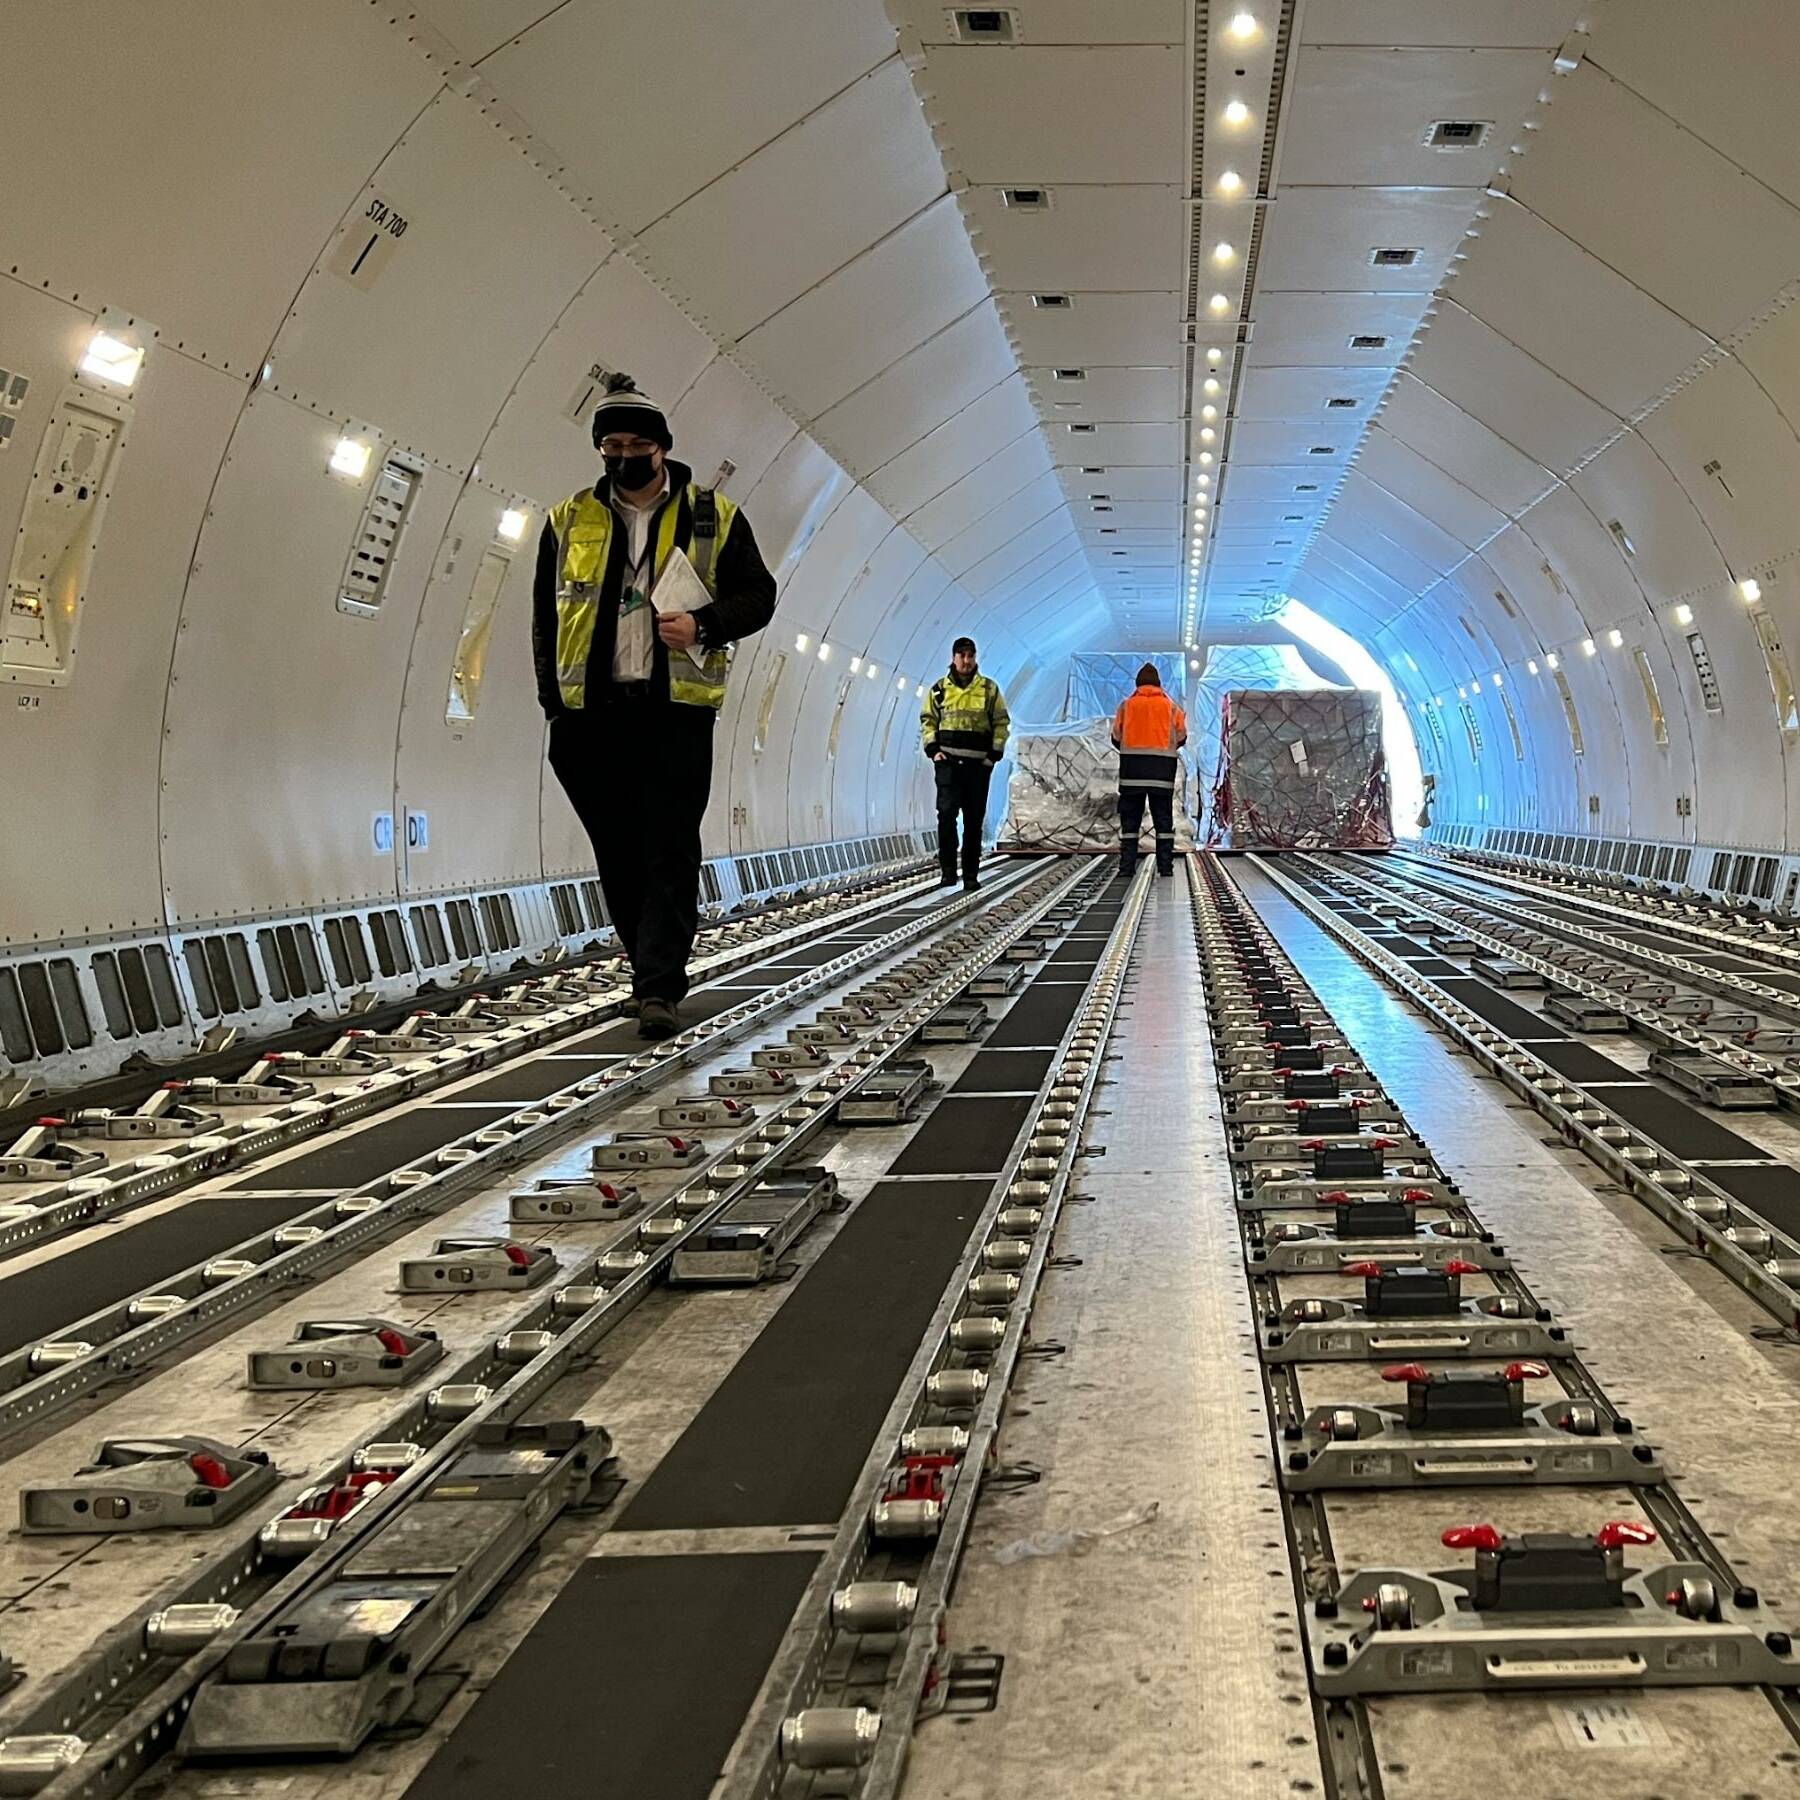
column 679, row 590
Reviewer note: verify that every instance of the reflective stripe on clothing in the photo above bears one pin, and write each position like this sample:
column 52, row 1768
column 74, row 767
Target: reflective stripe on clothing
column 584, row 533
column 969, row 721
column 1148, row 729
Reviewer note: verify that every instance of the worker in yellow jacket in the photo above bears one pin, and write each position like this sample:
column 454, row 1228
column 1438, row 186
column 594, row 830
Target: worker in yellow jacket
column 1148, row 731
column 964, row 724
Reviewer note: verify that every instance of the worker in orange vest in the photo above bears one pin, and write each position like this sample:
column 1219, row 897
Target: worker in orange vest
column 1148, row 730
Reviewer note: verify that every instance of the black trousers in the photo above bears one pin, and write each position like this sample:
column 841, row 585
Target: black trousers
column 962, row 789
column 638, row 773
column 1162, row 817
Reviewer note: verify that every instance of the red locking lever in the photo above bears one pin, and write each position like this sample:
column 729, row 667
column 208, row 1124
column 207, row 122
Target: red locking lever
column 1408, row 1372
column 1616, row 1532
column 1527, row 1371
column 1473, row 1537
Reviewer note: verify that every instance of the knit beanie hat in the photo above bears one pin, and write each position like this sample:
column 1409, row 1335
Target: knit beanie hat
column 624, row 409
column 962, row 644
column 1148, row 677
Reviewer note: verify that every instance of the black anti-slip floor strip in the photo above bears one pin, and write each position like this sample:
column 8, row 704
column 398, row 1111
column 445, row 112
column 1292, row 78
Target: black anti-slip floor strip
column 39, row 1302
column 783, row 1439
column 532, row 1079
column 1004, row 1072
column 363, row 1155
column 965, row 1134
column 1039, row 1016
column 1500, row 1012
column 634, row 1683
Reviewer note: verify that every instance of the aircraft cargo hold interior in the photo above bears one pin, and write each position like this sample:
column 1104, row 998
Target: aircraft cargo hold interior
column 899, row 902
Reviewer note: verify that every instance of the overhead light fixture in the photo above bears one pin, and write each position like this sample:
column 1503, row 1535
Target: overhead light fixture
column 350, row 458
column 802, row 643
column 1210, row 385
column 1218, row 303
column 1237, row 113
column 1615, row 637
column 874, row 671
column 1531, row 668
column 1589, row 647
column 1243, row 27
column 1209, row 412
column 901, row 684
column 1230, row 182
column 1206, row 481
column 1495, row 678
column 856, row 665
column 1551, row 661
column 824, row 653
column 1684, row 615
column 1462, row 693
column 112, row 359
column 1215, row 356
column 512, row 524
column 1223, row 255
column 1750, row 589
column 1207, row 434
column 1206, row 456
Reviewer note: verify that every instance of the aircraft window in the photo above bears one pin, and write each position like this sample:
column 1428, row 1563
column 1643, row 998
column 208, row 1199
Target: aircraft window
column 1512, row 725
column 767, row 710
column 1659, row 726
column 837, row 717
column 1571, row 717
column 1781, row 682
column 472, row 643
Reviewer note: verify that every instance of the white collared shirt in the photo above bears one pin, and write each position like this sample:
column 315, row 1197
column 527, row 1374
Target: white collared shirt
column 634, row 641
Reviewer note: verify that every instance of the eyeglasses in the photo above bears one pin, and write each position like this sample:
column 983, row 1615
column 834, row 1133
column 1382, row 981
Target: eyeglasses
column 635, row 446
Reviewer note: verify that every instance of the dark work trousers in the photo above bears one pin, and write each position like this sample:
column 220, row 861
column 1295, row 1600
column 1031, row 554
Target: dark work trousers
column 638, row 772
column 1162, row 816
column 962, row 787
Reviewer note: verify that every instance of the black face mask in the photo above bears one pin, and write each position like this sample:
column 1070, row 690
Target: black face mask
column 630, row 473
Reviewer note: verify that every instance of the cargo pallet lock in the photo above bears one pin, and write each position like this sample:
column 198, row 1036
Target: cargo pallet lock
column 1715, row 1082
column 746, row 1243
column 325, row 1354
column 1369, row 1227
column 1584, row 1012
column 891, row 1096
column 1538, row 1610
column 1503, row 972
column 149, row 1484
column 341, row 1659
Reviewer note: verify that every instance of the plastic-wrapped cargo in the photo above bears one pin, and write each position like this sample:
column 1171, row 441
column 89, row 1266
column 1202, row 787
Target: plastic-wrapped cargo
column 1301, row 771
column 1064, row 795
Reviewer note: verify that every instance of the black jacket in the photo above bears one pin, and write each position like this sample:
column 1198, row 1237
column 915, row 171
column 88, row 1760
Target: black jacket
column 745, row 603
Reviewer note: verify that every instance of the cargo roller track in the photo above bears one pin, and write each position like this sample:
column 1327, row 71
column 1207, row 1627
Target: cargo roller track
column 1361, row 1498
column 525, row 1362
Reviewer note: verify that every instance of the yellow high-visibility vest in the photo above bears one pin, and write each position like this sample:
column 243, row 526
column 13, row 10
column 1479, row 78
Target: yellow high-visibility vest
column 584, row 526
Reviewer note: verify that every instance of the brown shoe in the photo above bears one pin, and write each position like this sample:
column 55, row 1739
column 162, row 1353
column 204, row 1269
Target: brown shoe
column 658, row 1019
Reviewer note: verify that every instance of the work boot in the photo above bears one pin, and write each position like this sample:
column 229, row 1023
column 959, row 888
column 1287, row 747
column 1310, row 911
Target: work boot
column 658, row 1019
column 947, row 879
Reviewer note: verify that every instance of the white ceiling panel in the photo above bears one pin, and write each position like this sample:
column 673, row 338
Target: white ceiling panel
column 1616, row 172
column 906, row 402
column 1292, row 392
column 993, row 484
column 1272, row 484
column 1097, row 328
column 478, row 27
column 1323, row 238
column 1487, row 375
column 1130, row 515
column 968, row 437
column 863, row 319
column 1018, row 514
column 1607, row 338
column 1123, row 483
column 1360, row 117
column 1062, row 22
column 1113, row 238
column 1117, row 444
column 841, row 180
column 1738, row 95
column 1400, row 523
column 1053, row 115
column 1141, row 395
column 1463, row 447
column 1027, row 560
column 1450, row 24
column 1422, row 484
column 1308, row 444
column 1318, row 328
column 746, row 74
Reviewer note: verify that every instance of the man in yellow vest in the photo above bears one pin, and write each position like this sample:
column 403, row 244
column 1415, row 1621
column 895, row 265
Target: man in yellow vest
column 965, row 723
column 1148, row 730
column 631, row 691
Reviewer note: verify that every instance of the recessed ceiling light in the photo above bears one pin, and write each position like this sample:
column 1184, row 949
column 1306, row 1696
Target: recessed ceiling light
column 1206, row 456
column 1750, row 589
column 1215, row 356
column 1230, row 182
column 1207, row 434
column 1237, row 113
column 1615, row 637
column 1531, row 667
column 1210, row 385
column 1552, row 661
column 1684, row 615
column 1218, row 303
column 1243, row 27
column 1589, row 647
column 1209, row 412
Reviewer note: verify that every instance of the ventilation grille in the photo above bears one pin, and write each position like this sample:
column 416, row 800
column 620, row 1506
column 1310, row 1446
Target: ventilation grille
column 985, row 24
column 1341, row 402
column 1052, row 302
column 290, row 960
column 1710, row 697
column 1026, row 199
column 1393, row 259
column 1071, row 374
column 1369, row 340
column 219, row 972
column 1457, row 134
column 378, row 536
column 137, row 990
column 41, row 1011
column 1081, row 427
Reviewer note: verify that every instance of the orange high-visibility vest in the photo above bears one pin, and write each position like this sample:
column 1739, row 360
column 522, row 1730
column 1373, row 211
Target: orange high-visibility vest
column 1147, row 731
